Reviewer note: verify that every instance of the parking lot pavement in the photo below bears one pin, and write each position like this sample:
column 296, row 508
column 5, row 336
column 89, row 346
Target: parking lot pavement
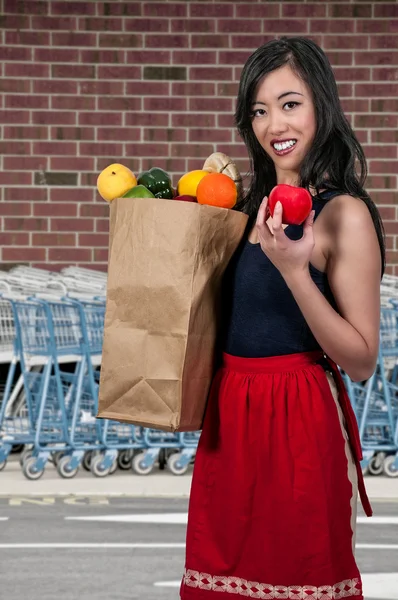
column 106, row 547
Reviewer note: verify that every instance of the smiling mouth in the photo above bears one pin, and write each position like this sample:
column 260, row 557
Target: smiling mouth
column 283, row 148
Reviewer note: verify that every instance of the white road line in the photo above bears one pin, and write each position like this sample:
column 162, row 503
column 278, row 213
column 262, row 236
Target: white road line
column 4, row 518
column 167, row 584
column 88, row 546
column 377, row 520
column 376, row 546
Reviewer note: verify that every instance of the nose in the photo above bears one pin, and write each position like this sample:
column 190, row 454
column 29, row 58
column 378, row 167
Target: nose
column 277, row 123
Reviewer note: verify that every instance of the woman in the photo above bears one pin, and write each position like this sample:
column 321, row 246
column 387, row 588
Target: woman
column 273, row 501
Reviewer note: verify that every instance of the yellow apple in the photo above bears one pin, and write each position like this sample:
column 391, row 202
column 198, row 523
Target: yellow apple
column 114, row 181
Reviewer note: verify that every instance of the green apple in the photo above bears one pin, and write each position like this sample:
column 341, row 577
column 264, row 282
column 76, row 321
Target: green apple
column 138, row 191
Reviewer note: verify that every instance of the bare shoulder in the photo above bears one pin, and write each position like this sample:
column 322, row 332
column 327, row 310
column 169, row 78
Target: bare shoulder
column 345, row 212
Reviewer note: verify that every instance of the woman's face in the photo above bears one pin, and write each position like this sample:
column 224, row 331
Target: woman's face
column 284, row 121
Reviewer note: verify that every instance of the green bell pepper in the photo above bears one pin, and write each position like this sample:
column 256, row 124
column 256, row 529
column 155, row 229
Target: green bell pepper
column 158, row 182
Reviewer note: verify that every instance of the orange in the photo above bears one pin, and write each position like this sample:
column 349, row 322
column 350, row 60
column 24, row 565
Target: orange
column 189, row 182
column 114, row 181
column 217, row 190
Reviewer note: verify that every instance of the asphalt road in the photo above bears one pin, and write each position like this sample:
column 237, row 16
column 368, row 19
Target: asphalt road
column 50, row 551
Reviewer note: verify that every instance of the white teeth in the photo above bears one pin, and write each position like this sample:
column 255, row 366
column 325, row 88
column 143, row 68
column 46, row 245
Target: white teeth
column 284, row 145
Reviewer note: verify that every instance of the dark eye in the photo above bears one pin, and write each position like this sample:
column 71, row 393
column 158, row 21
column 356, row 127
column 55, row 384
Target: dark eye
column 291, row 104
column 259, row 112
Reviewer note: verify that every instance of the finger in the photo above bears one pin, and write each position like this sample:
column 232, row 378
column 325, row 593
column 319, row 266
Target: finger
column 261, row 222
column 308, row 223
column 277, row 219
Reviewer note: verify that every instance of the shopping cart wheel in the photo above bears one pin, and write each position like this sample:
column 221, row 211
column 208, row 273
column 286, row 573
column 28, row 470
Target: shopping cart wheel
column 124, row 459
column 389, row 468
column 174, row 466
column 162, row 459
column 113, row 467
column 3, row 464
column 139, row 466
column 87, row 458
column 56, row 456
column 97, row 467
column 376, row 465
column 30, row 470
column 64, row 469
column 25, row 454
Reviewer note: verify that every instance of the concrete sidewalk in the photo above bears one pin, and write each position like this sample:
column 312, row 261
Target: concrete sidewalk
column 126, row 483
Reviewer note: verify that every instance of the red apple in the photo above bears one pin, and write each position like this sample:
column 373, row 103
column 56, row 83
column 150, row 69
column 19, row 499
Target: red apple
column 186, row 198
column 296, row 203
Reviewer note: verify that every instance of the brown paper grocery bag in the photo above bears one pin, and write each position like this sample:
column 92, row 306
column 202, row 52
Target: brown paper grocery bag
column 166, row 261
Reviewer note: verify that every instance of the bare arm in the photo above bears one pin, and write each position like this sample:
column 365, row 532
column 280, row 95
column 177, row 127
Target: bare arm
column 350, row 338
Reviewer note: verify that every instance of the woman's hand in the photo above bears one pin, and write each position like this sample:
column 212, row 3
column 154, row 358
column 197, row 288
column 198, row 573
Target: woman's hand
column 290, row 257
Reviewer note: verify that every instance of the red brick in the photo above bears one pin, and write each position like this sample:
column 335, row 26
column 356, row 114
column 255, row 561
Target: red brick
column 53, row 239
column 74, row 39
column 234, row 57
column 102, row 225
column 15, row 147
column 19, row 6
column 160, row 9
column 206, row 73
column 70, row 255
column 101, row 255
column 102, row 88
column 187, row 57
column 196, row 120
column 170, row 165
column 352, row 74
column 213, row 10
column 380, row 151
column 73, row 8
column 14, row 239
column 147, row 149
column 265, row 11
column 13, row 22
column 73, row 71
column 332, row 26
column 55, row 148
column 377, row 26
column 120, row 8
column 14, row 116
column 385, row 197
column 16, row 86
column 72, row 225
column 25, row 224
column 341, row 42
column 120, row 103
column 345, row 90
column 240, row 26
column 348, row 11
column 72, row 133
column 355, row 105
column 49, row 23
column 54, row 118
column 148, row 88
column 376, row 58
column 378, row 181
column 92, row 240
column 50, row 86
column 214, row 135
column 124, row 134
column 102, row 56
column 93, row 210
column 385, row 74
column 209, row 41
column 165, row 104
column 378, row 42
column 101, row 149
column 72, row 103
column 14, row 53
column 146, row 119
column 249, row 41
column 100, row 24
column 303, row 11
column 15, row 209
column 110, row 40
column 165, row 135
column 32, row 70
column 287, row 26
column 167, row 41
column 387, row 213
column 211, row 104
column 71, row 194
column 24, row 254
column 376, row 89
column 26, row 101
column 385, row 10
column 384, row 136
column 191, row 150
column 15, row 178
column 97, row 118
column 71, row 163
column 116, row 72
column 56, row 55
column 21, row 163
column 192, row 89
column 385, row 166
column 337, row 58
column 55, row 209
column 151, row 57
column 227, row 89
column 20, row 132
column 27, row 38
column 25, row 193
column 160, row 25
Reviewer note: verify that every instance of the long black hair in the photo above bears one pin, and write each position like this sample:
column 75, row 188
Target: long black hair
column 335, row 154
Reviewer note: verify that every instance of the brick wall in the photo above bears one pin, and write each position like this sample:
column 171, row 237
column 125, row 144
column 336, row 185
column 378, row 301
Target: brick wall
column 87, row 83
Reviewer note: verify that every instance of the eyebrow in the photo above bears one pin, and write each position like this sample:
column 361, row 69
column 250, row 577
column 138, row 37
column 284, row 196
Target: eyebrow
column 280, row 97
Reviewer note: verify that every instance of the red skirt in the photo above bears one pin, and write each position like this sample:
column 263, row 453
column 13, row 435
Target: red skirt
column 273, row 500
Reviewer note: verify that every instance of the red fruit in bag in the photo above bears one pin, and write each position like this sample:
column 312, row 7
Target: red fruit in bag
column 296, row 203
column 186, row 198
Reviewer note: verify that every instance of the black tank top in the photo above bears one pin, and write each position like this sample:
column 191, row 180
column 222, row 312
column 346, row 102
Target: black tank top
column 261, row 317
